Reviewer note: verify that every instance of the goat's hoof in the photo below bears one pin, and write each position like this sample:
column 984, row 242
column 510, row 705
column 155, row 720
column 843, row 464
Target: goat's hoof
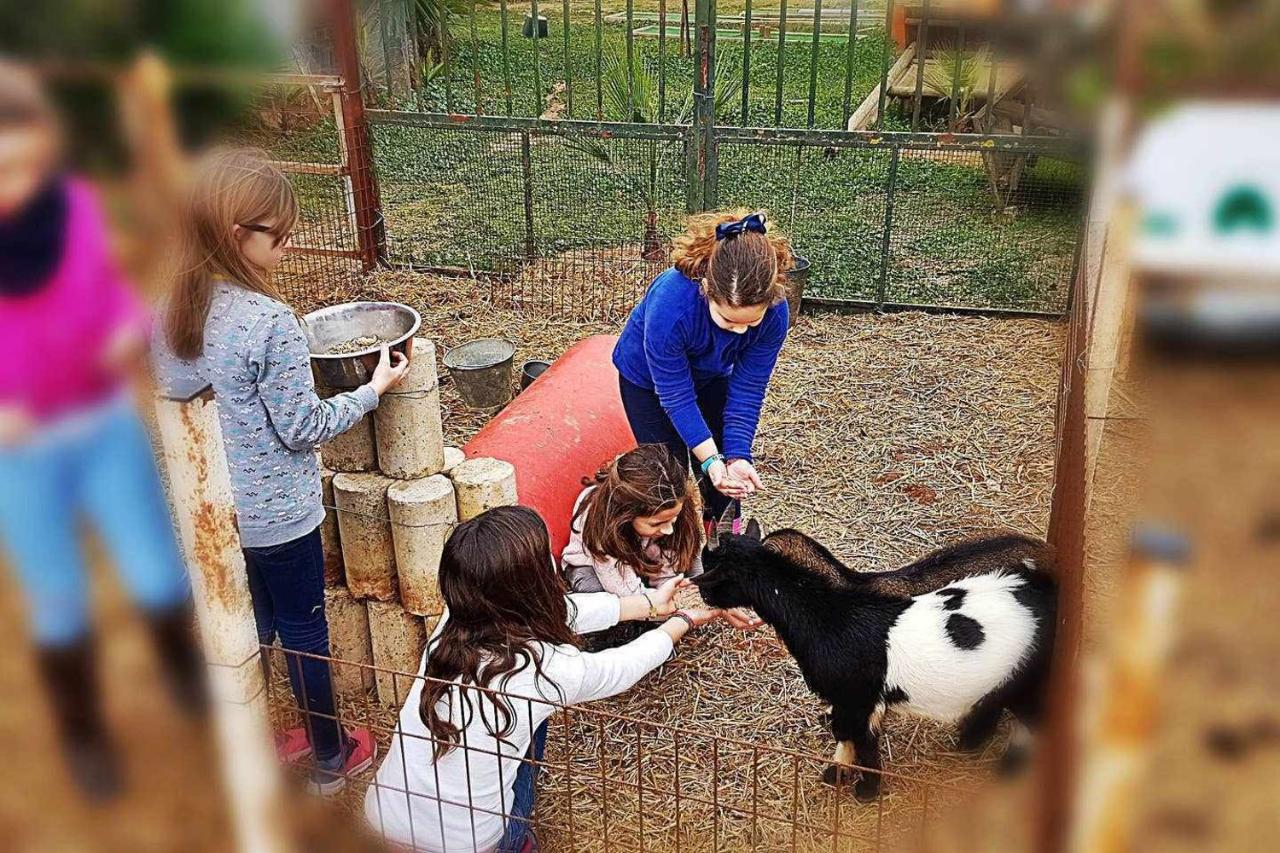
column 838, row 776
column 868, row 788
column 974, row 738
column 1015, row 760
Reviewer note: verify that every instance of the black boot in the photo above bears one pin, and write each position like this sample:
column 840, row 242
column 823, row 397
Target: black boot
column 70, row 677
column 174, row 635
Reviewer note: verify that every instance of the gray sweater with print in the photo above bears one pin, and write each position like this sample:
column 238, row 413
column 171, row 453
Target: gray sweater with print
column 257, row 359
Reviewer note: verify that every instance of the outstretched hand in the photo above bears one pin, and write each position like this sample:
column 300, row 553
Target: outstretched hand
column 702, row 615
column 663, row 598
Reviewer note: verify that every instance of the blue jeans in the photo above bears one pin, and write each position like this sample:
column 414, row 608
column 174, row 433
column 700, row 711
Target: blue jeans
column 287, row 585
column 651, row 425
column 99, row 470
column 523, row 795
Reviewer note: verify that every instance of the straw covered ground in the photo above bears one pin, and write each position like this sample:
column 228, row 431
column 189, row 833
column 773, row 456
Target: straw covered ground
column 883, row 437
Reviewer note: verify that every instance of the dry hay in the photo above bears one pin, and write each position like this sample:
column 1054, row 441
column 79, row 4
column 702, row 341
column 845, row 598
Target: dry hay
column 591, row 283
column 883, row 437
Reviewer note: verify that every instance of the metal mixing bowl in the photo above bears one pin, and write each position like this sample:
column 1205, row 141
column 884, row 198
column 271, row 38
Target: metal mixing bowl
column 390, row 321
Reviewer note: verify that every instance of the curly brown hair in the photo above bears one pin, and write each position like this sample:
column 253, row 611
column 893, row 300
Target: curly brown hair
column 742, row 271
column 505, row 599
column 641, row 483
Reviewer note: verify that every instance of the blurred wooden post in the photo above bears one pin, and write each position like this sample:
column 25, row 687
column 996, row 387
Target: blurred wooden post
column 1118, row 735
column 1056, row 767
column 200, row 487
column 157, row 162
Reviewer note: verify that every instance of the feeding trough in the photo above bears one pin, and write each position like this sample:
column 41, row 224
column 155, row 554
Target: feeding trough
column 481, row 371
column 346, row 340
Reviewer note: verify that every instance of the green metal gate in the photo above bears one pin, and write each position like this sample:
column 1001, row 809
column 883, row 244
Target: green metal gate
column 562, row 161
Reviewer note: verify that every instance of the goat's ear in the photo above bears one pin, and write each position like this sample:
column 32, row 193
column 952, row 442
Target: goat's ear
column 753, row 530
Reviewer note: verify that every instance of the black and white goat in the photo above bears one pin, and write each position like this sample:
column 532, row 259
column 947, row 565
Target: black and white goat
column 962, row 634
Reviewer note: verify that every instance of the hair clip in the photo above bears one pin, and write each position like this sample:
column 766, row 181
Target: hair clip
column 750, row 222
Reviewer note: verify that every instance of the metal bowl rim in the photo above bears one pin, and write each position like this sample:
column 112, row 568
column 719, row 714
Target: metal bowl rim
column 338, row 356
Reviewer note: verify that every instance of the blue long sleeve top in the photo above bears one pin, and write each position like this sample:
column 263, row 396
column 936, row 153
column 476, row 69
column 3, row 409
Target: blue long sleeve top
column 671, row 345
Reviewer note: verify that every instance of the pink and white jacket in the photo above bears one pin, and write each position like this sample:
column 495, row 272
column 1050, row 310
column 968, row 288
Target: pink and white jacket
column 587, row 572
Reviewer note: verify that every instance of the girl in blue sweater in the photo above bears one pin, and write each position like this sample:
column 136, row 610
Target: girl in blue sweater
column 695, row 357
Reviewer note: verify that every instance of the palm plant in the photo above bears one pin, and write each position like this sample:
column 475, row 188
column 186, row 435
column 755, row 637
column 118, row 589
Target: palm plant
column 632, row 93
column 955, row 76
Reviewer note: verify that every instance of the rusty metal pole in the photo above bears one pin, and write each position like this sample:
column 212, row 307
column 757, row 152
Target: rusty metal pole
column 200, row 487
column 371, row 237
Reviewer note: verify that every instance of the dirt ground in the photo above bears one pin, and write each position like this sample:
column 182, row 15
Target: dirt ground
column 884, row 436
column 839, row 443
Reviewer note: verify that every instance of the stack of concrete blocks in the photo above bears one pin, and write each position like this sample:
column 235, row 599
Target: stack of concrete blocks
column 398, row 492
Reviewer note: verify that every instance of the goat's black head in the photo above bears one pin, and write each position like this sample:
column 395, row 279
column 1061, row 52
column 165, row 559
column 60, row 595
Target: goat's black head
column 726, row 561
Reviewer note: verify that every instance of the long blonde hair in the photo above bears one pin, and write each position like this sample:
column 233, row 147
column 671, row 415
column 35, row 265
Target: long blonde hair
column 230, row 187
column 745, row 270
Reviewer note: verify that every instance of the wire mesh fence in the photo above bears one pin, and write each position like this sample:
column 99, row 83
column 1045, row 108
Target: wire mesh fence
column 572, row 218
column 301, row 122
column 609, row 781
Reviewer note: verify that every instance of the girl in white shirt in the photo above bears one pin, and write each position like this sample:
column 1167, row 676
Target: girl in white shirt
column 504, row 656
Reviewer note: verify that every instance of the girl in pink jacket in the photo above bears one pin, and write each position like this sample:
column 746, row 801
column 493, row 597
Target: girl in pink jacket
column 72, row 448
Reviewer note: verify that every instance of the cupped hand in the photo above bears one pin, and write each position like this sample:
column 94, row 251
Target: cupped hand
column 725, row 482
column 744, row 472
column 743, row 619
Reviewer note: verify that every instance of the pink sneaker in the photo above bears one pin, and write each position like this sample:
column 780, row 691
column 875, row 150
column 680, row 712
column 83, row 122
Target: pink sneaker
column 292, row 745
column 330, row 778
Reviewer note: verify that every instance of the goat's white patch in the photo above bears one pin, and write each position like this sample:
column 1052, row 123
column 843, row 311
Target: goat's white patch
column 844, row 752
column 941, row 680
column 877, row 717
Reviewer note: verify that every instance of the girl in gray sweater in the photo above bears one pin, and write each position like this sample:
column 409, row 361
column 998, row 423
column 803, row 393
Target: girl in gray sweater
column 226, row 324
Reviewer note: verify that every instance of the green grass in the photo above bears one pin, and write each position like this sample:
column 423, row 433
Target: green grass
column 485, row 54
column 455, row 196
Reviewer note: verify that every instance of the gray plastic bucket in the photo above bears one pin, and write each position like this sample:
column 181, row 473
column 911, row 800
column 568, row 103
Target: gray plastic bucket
column 796, row 279
column 481, row 371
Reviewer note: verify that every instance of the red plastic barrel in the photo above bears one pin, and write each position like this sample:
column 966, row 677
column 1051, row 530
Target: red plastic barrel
column 560, row 430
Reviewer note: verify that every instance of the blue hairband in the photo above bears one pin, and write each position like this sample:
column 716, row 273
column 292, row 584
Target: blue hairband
column 750, row 222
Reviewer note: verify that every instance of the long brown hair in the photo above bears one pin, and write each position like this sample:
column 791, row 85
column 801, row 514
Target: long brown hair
column 638, row 484
column 742, row 271
column 230, row 187
column 504, row 598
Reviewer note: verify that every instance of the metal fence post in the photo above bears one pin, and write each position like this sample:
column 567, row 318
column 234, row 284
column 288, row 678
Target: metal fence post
column 702, row 154
column 201, row 493
column 890, row 190
column 371, row 236
column 526, row 172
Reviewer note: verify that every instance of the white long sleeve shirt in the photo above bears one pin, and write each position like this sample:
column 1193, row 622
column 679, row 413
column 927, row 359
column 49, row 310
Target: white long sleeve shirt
column 430, row 805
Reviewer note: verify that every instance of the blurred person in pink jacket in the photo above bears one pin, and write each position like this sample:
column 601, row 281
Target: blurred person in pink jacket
column 72, row 448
